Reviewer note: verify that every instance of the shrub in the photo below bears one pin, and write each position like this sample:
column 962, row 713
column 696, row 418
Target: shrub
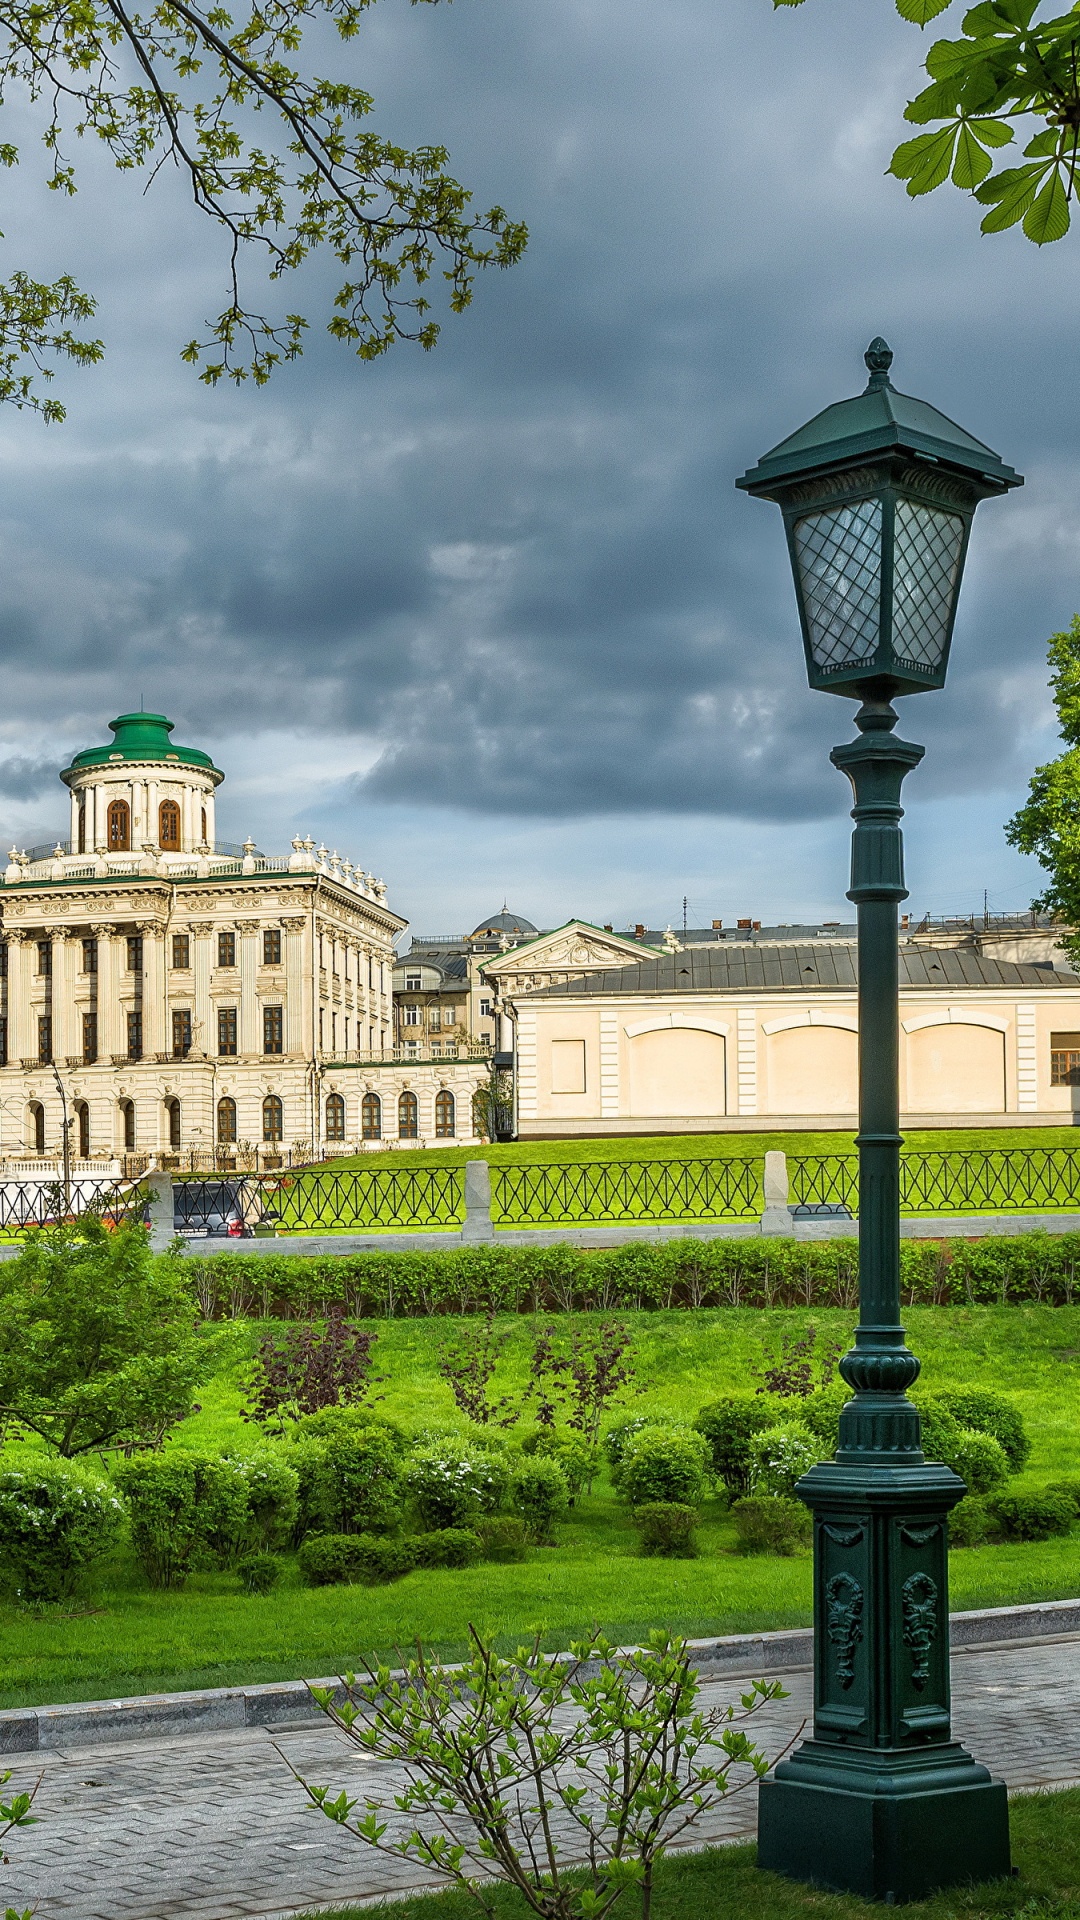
column 976, row 1457
column 344, row 1559
column 272, row 1488
column 781, row 1455
column 222, row 1514
column 307, row 1459
column 160, row 1490
column 821, row 1413
column 502, row 1537
column 303, row 1369
column 447, row 1547
column 360, row 1487
column 663, row 1463
column 259, row 1572
column 667, row 1528
column 969, row 1523
column 1032, row 1516
column 988, row 1413
column 728, row 1426
column 99, row 1346
column 452, row 1483
column 771, row 1526
column 1066, row 1490
column 540, row 1494
column 54, row 1522
column 577, row 1459
column 617, row 1437
column 331, row 1420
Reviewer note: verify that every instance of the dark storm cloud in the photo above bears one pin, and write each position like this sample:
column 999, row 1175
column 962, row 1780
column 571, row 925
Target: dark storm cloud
column 25, row 779
column 517, row 569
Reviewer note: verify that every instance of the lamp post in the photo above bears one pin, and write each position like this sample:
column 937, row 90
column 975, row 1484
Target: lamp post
column 878, row 494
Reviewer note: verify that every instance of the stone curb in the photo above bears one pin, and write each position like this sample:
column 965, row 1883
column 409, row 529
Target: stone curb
column 287, row 1703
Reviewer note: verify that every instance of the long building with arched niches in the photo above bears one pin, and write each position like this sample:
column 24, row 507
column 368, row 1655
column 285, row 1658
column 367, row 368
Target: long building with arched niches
column 196, row 999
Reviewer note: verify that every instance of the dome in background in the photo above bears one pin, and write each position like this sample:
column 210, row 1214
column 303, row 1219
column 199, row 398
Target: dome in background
column 513, row 924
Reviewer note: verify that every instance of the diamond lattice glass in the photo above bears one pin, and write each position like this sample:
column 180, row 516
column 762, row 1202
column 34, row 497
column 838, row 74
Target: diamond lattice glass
column 925, row 567
column 839, row 556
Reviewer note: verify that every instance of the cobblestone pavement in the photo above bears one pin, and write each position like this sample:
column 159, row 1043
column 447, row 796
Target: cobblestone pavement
column 214, row 1827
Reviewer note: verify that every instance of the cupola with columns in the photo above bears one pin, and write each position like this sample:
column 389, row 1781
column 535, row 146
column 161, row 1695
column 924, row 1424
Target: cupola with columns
column 143, row 793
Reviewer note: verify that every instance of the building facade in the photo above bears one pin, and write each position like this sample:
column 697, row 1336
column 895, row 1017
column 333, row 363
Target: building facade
column 192, row 998
column 764, row 1034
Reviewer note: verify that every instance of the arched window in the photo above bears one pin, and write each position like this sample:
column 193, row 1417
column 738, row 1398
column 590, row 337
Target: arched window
column 226, row 1122
column 172, row 1109
column 335, row 1117
column 119, row 827
column 273, row 1127
column 127, row 1108
column 37, row 1122
column 169, row 826
column 408, row 1117
column 82, row 823
column 371, row 1117
column 204, row 825
column 444, row 1115
column 82, row 1114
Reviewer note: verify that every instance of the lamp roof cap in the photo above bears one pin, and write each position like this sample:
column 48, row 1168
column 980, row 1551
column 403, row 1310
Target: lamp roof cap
column 878, row 420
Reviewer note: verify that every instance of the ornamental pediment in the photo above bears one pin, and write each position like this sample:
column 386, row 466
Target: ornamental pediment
column 575, row 948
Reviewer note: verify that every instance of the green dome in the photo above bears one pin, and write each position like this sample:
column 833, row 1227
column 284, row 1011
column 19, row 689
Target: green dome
column 141, row 736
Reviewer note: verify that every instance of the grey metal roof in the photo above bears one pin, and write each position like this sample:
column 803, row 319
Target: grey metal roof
column 753, row 969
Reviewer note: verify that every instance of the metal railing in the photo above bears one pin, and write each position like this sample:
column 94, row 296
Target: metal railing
column 321, row 1201
column 606, row 1191
column 42, row 1203
column 967, row 1180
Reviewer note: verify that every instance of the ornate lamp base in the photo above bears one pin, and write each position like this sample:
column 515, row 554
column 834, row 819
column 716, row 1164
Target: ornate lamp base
column 892, row 1826
column 882, row 1800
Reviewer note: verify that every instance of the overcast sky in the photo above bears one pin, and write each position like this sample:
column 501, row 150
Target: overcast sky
column 493, row 619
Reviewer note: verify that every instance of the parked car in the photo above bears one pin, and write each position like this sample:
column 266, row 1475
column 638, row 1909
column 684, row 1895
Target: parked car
column 218, row 1209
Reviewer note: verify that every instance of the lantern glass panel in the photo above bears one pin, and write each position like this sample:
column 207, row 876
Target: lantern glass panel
column 926, row 562
column 839, row 558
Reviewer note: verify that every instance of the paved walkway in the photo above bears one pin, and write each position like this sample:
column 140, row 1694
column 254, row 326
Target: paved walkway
column 213, row 1826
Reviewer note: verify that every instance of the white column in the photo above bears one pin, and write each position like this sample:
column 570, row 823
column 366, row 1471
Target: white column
column 1027, row 1059
column 154, row 994
column 746, row 1055
column 111, row 1031
column 152, row 812
column 202, row 1040
column 609, row 1063
column 249, row 1016
column 526, row 1064
column 66, row 1034
column 22, row 960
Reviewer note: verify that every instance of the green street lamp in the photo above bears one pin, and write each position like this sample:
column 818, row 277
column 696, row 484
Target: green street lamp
column 878, row 494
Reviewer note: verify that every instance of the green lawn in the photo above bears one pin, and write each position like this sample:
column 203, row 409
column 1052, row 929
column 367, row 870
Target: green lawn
column 125, row 1638
column 724, row 1883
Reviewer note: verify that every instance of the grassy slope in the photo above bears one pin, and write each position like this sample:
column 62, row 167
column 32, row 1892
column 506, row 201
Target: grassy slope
column 212, row 1634
column 725, row 1884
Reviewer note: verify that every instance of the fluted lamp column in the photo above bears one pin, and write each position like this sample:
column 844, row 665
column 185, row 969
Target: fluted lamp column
column 878, row 494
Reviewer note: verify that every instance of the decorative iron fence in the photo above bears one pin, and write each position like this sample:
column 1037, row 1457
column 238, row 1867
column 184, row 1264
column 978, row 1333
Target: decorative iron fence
column 601, row 1192
column 320, row 1201
column 42, row 1203
column 969, row 1180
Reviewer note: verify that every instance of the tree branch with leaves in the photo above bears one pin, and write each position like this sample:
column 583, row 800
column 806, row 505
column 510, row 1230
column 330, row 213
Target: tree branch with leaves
column 1009, row 76
column 183, row 85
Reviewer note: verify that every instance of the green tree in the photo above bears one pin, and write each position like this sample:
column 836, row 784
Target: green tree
column 1048, row 825
column 1009, row 75
column 99, row 1347
column 282, row 159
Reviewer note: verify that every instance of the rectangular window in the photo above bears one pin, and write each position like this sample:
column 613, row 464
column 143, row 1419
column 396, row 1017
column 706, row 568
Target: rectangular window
column 434, row 1017
column 273, row 1030
column 568, row 1066
column 134, row 1035
column 226, row 949
column 44, row 956
column 89, row 956
column 485, row 1009
column 226, row 1030
column 181, row 1033
column 44, row 1042
column 272, row 947
column 3, row 1041
column 134, row 952
column 89, row 1039
column 333, row 1033
column 3, row 959
column 181, row 950
column 412, row 983
column 1065, row 1059
column 411, row 1015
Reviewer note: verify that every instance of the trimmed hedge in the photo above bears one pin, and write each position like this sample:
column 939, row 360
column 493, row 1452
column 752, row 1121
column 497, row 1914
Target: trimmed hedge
column 995, row 1271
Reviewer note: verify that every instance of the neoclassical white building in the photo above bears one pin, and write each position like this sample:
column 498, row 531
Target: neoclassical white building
column 191, row 997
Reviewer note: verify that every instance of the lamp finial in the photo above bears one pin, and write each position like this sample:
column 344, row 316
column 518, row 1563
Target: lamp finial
column 879, row 359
